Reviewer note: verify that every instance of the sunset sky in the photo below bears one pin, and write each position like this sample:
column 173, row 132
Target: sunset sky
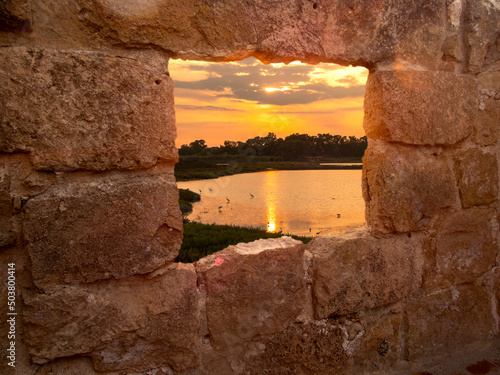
column 240, row 100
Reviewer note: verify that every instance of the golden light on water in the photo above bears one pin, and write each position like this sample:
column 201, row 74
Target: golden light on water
column 271, row 218
column 270, row 194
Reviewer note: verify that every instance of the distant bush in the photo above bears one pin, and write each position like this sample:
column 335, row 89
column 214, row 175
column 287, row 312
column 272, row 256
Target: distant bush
column 186, row 200
column 201, row 240
column 188, row 195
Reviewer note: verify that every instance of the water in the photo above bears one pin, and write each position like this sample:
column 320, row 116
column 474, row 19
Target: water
column 297, row 202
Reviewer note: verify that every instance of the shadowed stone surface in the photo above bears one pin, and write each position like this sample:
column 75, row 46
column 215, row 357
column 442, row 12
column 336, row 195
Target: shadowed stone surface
column 448, row 321
column 18, row 183
column 15, row 14
column 87, row 229
column 420, row 107
column 465, row 247
column 355, row 271
column 477, row 175
column 136, row 324
column 85, row 110
column 380, row 344
column 7, row 231
column 315, row 348
column 252, row 289
column 405, row 187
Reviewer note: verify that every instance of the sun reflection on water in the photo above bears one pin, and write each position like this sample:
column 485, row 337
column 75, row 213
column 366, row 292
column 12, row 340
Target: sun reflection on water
column 270, row 197
column 271, row 217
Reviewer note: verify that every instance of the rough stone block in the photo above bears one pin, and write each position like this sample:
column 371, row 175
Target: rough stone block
column 85, row 110
column 314, row 348
column 410, row 31
column 477, row 176
column 335, row 31
column 355, row 271
column 487, row 130
column 20, row 258
column 464, row 249
column 405, row 187
column 481, row 32
column 446, row 322
column 420, row 107
column 135, row 324
column 380, row 345
column 18, row 183
column 89, row 227
column 489, row 81
column 252, row 289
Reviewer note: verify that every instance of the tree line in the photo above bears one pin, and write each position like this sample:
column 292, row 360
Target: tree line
column 295, row 147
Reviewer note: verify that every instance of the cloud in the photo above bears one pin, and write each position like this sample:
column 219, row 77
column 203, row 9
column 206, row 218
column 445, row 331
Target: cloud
column 293, row 84
column 204, row 108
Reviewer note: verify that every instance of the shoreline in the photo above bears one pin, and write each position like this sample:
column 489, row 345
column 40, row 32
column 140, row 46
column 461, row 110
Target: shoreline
column 216, row 171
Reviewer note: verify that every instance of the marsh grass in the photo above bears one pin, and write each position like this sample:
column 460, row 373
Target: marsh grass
column 203, row 239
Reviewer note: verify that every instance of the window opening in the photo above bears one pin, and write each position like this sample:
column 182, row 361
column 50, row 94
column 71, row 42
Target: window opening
column 298, row 125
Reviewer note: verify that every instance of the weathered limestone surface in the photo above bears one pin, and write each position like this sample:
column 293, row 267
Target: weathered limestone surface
column 448, row 321
column 315, row 348
column 405, row 187
column 84, row 110
column 477, row 175
column 87, row 228
column 380, row 342
column 18, row 183
column 356, row 272
column 464, row 248
column 76, row 366
column 252, row 289
column 136, row 324
column 22, row 278
column 487, row 132
column 420, row 107
column 335, row 31
column 482, row 20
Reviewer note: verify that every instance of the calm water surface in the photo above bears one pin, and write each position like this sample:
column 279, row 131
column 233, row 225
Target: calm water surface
column 297, row 202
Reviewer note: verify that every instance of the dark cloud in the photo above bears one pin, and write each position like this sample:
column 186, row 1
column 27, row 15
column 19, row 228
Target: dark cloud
column 205, row 108
column 258, row 76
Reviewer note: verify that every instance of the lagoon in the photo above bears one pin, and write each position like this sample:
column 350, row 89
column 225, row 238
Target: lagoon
column 304, row 202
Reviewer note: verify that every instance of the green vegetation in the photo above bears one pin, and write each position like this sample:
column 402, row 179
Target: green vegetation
column 295, row 147
column 295, row 152
column 186, row 200
column 203, row 239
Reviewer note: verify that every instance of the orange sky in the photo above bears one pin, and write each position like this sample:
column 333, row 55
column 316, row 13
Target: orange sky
column 240, row 100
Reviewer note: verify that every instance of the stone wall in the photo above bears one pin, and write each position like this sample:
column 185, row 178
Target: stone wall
column 89, row 202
